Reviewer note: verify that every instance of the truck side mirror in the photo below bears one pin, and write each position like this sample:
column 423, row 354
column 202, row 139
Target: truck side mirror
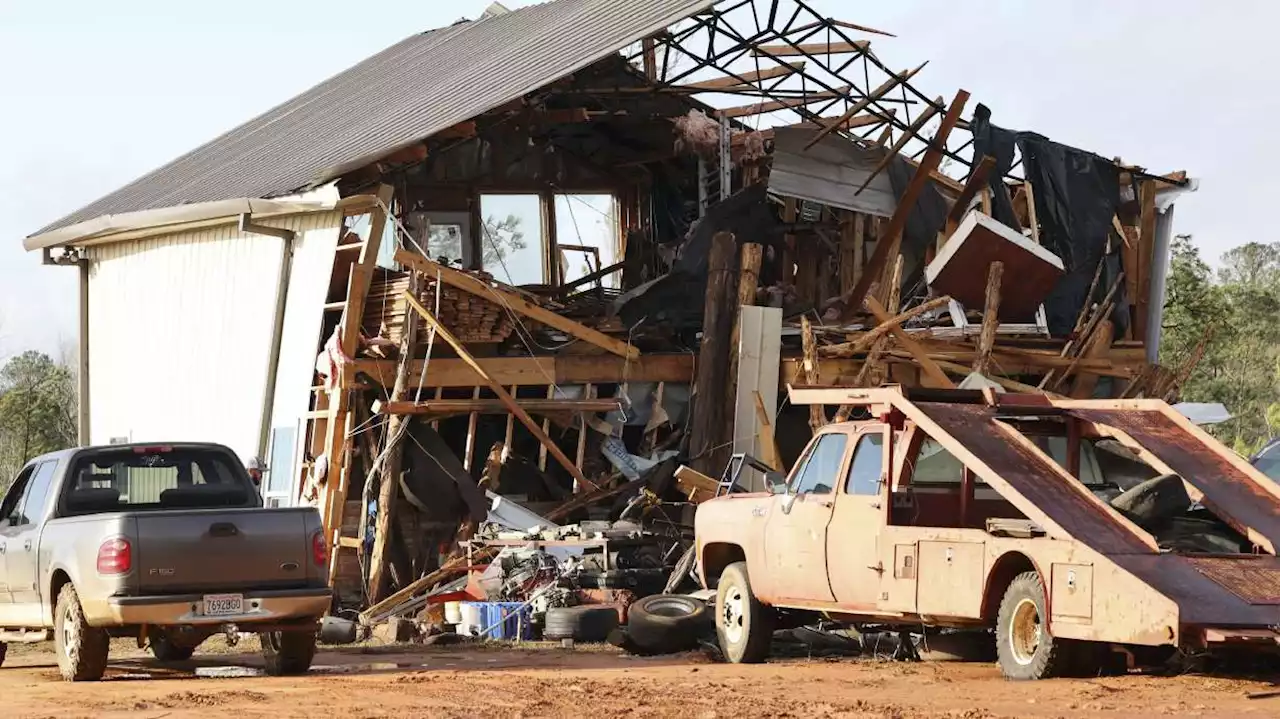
column 776, row 482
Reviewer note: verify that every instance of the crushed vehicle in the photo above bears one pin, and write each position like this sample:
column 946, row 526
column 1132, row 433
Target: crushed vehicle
column 1077, row 531
column 169, row 544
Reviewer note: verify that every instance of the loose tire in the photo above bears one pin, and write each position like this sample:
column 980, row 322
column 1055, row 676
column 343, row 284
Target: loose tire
column 667, row 623
column 584, row 623
column 82, row 649
column 1024, row 647
column 743, row 625
column 163, row 647
column 286, row 653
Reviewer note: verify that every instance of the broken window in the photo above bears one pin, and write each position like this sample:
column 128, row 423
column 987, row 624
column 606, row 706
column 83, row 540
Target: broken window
column 867, row 466
column 511, row 238
column 586, row 236
column 821, row 466
column 444, row 236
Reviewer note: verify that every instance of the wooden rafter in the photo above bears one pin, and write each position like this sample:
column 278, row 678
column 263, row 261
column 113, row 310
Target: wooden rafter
column 821, row 48
column 743, row 78
column 876, row 94
column 761, row 108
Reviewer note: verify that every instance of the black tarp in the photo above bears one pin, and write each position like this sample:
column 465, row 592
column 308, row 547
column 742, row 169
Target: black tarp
column 1076, row 195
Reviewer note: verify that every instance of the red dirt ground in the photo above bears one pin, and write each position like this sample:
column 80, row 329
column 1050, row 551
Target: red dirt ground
column 597, row 682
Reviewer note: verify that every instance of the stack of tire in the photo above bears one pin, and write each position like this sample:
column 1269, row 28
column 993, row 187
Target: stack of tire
column 587, row 623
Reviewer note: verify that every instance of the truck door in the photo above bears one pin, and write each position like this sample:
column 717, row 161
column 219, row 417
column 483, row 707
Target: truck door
column 795, row 537
column 859, row 518
column 22, row 540
column 10, row 508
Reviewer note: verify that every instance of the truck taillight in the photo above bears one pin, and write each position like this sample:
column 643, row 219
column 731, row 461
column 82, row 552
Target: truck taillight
column 319, row 552
column 115, row 556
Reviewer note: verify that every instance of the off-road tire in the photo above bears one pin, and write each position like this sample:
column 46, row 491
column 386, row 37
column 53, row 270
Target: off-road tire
column 287, row 653
column 749, row 644
column 668, row 623
column 82, row 649
column 163, row 647
column 1050, row 657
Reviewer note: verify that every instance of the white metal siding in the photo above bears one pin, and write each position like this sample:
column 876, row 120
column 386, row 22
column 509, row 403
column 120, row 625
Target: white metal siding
column 180, row 331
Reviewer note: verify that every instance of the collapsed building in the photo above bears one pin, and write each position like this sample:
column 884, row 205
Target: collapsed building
column 537, row 254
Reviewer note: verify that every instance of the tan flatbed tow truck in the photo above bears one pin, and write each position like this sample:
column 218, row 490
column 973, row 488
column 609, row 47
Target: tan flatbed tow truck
column 1072, row 530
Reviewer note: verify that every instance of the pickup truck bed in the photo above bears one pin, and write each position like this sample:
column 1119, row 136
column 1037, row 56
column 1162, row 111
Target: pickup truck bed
column 166, row 540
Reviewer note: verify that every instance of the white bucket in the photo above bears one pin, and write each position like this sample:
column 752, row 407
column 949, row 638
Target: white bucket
column 468, row 613
column 453, row 612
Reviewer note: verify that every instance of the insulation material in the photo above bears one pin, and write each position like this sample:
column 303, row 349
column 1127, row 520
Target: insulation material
column 700, row 135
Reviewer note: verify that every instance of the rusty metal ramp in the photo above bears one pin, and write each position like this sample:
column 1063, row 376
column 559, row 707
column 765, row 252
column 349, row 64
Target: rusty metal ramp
column 1229, row 491
column 1032, row 482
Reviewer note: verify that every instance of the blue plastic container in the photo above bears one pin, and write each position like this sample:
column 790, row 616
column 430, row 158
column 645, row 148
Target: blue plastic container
column 505, row 620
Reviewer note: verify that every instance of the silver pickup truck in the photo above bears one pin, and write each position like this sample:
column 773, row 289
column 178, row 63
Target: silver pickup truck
column 166, row 543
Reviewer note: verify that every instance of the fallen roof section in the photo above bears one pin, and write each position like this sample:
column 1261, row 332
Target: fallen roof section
column 411, row 90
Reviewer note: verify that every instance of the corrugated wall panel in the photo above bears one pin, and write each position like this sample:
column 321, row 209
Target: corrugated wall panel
column 180, row 333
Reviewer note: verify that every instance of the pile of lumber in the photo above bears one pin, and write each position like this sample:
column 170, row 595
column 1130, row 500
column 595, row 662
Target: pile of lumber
column 469, row 317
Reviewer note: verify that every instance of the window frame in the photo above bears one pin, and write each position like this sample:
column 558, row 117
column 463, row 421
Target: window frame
column 882, row 478
column 801, row 466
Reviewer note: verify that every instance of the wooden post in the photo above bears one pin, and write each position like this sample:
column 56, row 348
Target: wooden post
column 990, row 318
column 809, row 362
column 888, row 236
column 389, row 486
column 851, row 238
column 770, row 445
column 713, row 356
column 498, row 389
column 472, row 420
column 1099, row 347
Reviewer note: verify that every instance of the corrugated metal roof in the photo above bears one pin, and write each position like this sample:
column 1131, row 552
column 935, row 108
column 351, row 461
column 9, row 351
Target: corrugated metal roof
column 412, row 89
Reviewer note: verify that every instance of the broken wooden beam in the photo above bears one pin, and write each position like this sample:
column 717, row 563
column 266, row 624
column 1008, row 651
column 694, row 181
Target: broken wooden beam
column 492, row 406
column 906, row 203
column 817, row 416
column 864, row 342
column 723, row 83
column 817, row 48
column 990, row 318
column 912, row 131
column 761, row 108
column 516, row 303
column 930, row 368
column 864, row 103
column 499, row 390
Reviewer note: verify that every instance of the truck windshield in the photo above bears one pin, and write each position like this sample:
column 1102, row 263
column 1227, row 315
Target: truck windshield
column 152, row 478
column 1269, row 461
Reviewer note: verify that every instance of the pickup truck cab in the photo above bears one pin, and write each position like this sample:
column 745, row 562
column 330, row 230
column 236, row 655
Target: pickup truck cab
column 168, row 543
column 1067, row 529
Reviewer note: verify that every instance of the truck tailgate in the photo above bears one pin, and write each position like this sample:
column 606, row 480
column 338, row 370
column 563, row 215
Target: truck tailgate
column 187, row 551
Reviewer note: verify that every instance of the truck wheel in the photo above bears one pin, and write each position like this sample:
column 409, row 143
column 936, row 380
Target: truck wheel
column 1024, row 647
column 743, row 624
column 4, row 649
column 164, row 648
column 667, row 623
column 288, row 652
column 82, row 649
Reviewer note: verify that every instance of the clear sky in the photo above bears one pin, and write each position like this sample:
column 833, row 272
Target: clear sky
column 94, row 94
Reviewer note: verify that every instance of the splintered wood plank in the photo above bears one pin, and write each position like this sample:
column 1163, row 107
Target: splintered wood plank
column 817, row 48
column 722, row 83
column 990, row 318
column 767, row 441
column 817, row 416
column 499, row 390
column 516, row 303
column 761, row 108
column 889, row 235
column 921, row 355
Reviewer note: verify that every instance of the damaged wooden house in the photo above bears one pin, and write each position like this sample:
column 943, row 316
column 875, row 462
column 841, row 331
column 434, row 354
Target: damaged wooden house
column 529, row 253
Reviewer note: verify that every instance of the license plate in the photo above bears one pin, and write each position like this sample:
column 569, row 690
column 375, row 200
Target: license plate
column 221, row 605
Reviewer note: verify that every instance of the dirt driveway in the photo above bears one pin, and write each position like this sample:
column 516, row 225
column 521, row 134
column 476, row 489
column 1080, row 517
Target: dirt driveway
column 597, row 682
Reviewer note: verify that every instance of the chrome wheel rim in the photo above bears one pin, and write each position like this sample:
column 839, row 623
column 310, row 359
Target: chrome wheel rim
column 732, row 617
column 1025, row 632
column 68, row 636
